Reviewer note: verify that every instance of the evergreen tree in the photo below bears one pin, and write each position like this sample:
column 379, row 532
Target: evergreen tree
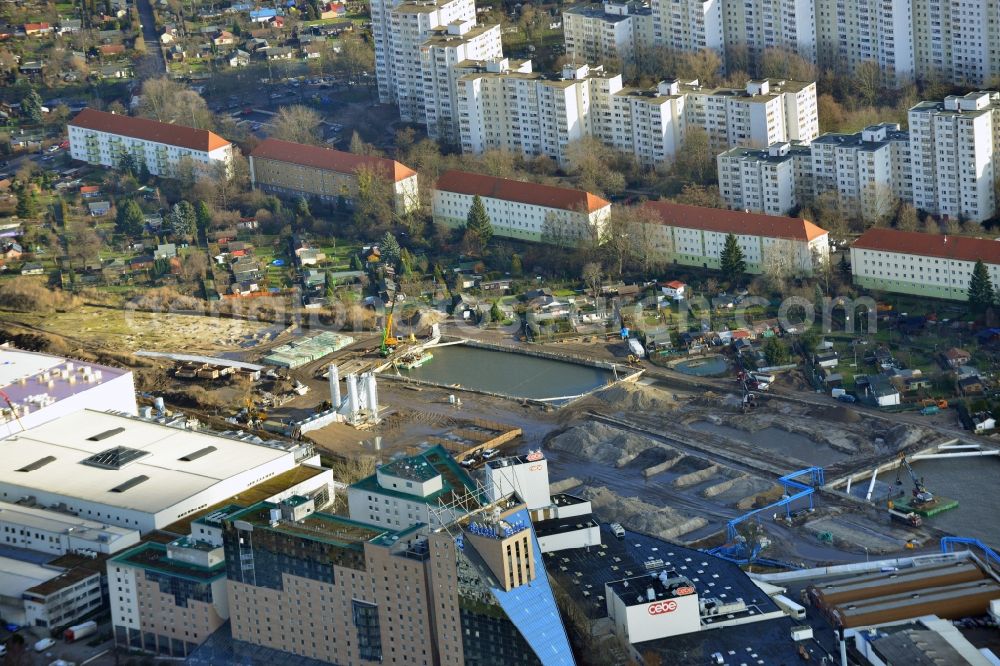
column 31, row 106
column 356, row 264
column 496, row 314
column 478, row 222
column 980, row 288
column 182, row 219
column 390, row 249
column 775, row 352
column 516, row 268
column 844, row 267
column 731, row 262
column 27, row 203
column 202, row 219
column 127, row 163
column 129, row 219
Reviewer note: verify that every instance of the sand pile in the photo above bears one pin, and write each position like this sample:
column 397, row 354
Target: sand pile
column 628, row 397
column 600, row 443
column 634, row 514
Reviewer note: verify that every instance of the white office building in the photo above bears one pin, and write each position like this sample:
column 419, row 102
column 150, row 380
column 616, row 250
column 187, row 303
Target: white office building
column 609, row 33
column 98, row 137
column 441, row 58
column 953, row 148
column 932, row 265
column 57, row 533
column 47, row 596
column 42, row 388
column 131, row 473
column 524, row 211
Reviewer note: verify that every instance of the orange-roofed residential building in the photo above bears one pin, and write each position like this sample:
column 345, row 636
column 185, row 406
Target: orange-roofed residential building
column 282, row 167
column 98, row 137
column 525, row 211
column 908, row 262
column 695, row 236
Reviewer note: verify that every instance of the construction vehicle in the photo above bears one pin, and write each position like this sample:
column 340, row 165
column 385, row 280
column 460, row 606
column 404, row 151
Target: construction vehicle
column 389, row 341
column 920, row 493
column 255, row 417
column 910, row 518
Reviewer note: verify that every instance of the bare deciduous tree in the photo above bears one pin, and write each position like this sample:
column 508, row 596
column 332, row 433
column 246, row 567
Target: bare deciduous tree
column 298, row 124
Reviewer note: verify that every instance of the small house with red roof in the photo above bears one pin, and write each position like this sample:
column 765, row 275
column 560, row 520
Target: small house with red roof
column 333, row 10
column 675, row 289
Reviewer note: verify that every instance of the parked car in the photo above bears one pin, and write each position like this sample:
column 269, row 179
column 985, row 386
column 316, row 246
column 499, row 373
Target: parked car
column 44, row 644
column 847, row 398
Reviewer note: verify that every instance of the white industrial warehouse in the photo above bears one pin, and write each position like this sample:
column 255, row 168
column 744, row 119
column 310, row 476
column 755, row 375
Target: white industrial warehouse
column 132, row 473
column 38, row 388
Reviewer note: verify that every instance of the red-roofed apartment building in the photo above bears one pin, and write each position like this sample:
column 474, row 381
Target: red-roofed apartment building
column 695, row 236
column 102, row 138
column 526, row 211
column 282, row 167
column 909, row 262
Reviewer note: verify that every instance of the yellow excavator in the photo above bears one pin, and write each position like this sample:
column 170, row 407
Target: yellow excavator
column 389, row 341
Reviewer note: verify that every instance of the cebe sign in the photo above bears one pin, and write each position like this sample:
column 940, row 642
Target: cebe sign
column 661, row 607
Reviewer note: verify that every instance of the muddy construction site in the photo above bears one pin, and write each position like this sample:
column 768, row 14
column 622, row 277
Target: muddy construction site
column 681, row 465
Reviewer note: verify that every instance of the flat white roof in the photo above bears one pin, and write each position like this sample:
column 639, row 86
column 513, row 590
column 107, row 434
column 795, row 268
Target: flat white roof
column 33, row 381
column 17, row 576
column 15, row 364
column 53, row 521
column 54, row 453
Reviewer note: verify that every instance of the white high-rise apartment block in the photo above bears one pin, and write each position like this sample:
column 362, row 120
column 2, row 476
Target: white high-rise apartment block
column 764, row 181
column 648, row 124
column 851, row 32
column 441, row 58
column 98, row 137
column 758, row 25
column 399, row 30
column 525, row 112
column 689, row 25
column 869, row 171
column 957, row 39
column 764, row 113
column 954, row 147
column 610, row 33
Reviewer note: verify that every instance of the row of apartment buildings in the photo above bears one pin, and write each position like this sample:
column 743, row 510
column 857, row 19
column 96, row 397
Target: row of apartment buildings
column 946, row 164
column 448, row 73
column 906, row 39
column 675, row 233
column 280, row 167
column 505, row 105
